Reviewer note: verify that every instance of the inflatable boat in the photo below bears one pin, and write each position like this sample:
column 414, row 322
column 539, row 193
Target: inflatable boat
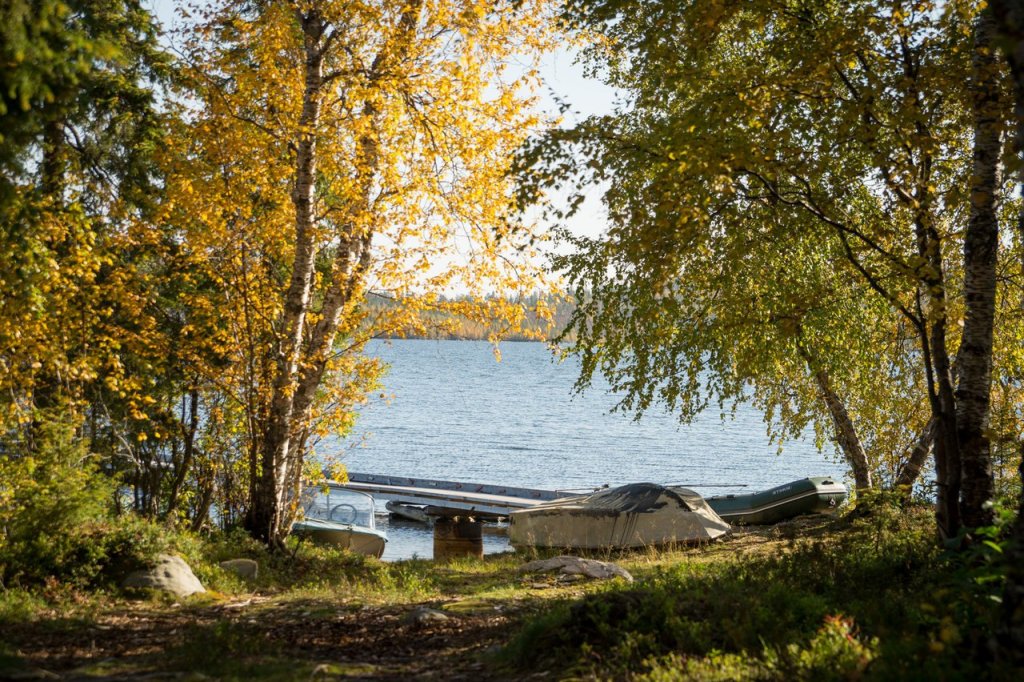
column 806, row 496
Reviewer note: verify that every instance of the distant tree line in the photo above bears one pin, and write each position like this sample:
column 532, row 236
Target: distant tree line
column 546, row 317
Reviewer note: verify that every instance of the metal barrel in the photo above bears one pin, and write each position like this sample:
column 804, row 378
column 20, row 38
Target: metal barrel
column 457, row 537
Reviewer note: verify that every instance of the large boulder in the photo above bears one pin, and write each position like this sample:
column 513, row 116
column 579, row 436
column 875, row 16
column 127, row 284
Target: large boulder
column 574, row 565
column 170, row 574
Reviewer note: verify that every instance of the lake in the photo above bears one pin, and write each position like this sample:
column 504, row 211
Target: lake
column 455, row 413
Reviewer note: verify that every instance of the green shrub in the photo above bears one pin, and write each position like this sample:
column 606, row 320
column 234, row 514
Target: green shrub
column 835, row 652
column 97, row 554
column 52, row 484
column 52, row 494
column 20, row 606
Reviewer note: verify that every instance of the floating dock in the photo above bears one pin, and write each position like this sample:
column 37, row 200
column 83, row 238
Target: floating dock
column 473, row 499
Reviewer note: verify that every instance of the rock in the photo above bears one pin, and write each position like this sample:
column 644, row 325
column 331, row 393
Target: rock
column 170, row 574
column 243, row 568
column 572, row 565
column 422, row 615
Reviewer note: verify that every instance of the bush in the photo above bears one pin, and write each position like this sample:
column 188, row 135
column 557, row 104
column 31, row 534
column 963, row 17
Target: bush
column 19, row 606
column 51, row 495
column 51, row 485
column 835, row 652
column 55, row 513
column 97, row 554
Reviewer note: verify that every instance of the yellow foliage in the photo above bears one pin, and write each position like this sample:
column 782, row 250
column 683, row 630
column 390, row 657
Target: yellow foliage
column 338, row 151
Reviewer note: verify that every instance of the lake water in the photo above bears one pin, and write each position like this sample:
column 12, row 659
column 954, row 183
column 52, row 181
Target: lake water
column 455, row 413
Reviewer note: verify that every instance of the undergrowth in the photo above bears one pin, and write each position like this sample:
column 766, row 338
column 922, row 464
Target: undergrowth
column 874, row 597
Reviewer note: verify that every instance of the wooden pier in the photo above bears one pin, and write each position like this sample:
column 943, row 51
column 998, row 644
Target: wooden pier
column 456, row 508
column 452, row 497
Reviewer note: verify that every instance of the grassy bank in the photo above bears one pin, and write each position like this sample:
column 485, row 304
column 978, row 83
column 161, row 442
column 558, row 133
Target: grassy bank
column 868, row 596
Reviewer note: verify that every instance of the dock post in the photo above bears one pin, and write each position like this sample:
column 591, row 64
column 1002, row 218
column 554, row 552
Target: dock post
column 457, row 536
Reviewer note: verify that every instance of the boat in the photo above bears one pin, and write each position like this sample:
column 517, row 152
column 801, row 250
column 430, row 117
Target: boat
column 806, row 496
column 341, row 517
column 630, row 516
column 408, row 512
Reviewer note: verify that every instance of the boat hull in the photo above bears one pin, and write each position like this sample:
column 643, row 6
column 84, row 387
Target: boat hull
column 360, row 540
column 806, row 496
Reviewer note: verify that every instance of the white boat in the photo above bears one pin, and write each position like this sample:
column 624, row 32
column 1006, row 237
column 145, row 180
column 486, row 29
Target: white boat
column 635, row 515
column 341, row 517
column 408, row 512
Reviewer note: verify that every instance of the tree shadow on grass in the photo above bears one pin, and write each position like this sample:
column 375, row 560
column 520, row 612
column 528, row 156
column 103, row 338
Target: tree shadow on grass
column 865, row 593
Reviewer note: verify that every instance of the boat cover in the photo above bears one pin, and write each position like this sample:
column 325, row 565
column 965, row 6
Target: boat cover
column 634, row 515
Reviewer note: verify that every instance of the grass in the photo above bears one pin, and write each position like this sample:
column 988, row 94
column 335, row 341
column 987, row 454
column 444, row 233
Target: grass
column 868, row 597
column 864, row 597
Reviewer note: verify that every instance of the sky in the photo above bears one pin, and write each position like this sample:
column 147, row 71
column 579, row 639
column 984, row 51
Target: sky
column 563, row 79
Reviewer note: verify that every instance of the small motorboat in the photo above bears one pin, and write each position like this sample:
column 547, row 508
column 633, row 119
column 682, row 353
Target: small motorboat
column 408, row 512
column 806, row 496
column 635, row 515
column 341, row 517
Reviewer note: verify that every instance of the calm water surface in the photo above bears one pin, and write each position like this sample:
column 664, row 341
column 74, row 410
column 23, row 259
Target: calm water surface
column 455, row 413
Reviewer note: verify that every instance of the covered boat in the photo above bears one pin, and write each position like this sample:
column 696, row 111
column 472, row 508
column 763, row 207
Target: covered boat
column 341, row 517
column 635, row 515
column 806, row 496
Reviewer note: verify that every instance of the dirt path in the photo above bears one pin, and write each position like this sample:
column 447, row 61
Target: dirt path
column 262, row 639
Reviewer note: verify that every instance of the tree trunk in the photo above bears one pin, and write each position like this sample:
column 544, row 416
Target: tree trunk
column 947, row 443
column 918, row 456
column 267, row 508
column 845, row 431
column 1010, row 634
column 981, row 243
column 189, row 427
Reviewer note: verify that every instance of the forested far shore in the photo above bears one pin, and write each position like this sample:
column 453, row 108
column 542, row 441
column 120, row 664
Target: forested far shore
column 545, row 319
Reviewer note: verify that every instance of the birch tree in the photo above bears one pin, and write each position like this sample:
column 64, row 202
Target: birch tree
column 344, row 150
column 872, row 130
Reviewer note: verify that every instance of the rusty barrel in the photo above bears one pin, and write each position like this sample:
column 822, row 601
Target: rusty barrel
column 457, row 537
